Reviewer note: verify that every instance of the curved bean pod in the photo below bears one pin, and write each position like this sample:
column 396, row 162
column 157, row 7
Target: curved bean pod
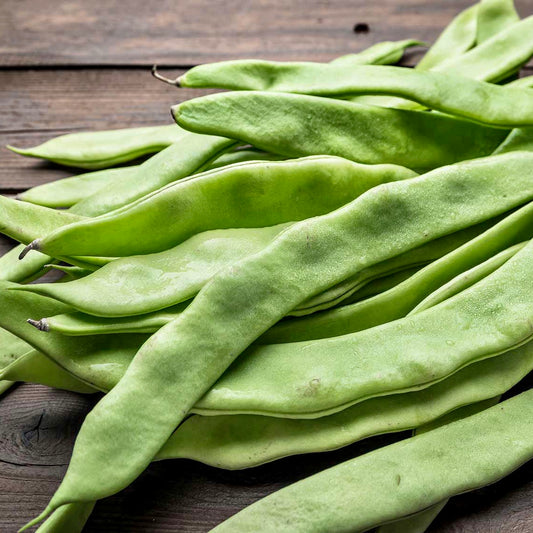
column 496, row 58
column 184, row 358
column 243, row 195
column 518, row 140
column 132, row 285
column 174, row 163
column 493, row 17
column 468, row 278
column 70, row 518
column 259, row 75
column 23, row 221
column 448, row 93
column 400, row 300
column 383, row 53
column 243, row 441
column 495, row 312
column 280, row 123
column 68, row 191
column 395, row 481
column 140, row 284
column 458, row 37
column 34, row 367
column 101, row 149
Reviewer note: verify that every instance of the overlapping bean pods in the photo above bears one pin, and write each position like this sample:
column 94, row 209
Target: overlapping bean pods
column 277, row 122
column 317, row 250
column 403, row 298
column 235, row 306
column 400, row 479
column 242, row 195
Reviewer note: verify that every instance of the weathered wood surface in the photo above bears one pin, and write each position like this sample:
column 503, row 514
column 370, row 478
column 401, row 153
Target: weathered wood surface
column 188, row 32
column 39, row 98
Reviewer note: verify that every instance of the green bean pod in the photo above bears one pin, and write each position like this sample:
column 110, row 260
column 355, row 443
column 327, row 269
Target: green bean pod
column 243, row 441
column 179, row 363
column 493, row 17
column 468, row 278
column 383, row 53
column 70, row 518
column 280, row 123
column 401, row 479
column 101, row 149
column 69, row 191
column 448, row 93
column 403, row 298
column 132, row 285
column 243, row 195
column 458, row 37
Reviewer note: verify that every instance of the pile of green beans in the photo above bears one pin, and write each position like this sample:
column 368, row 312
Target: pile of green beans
column 324, row 253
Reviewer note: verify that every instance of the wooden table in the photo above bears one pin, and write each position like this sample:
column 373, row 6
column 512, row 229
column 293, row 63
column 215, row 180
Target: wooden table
column 74, row 65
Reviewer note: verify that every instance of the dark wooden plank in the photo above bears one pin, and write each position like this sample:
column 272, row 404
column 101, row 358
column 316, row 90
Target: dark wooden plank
column 36, row 437
column 36, row 105
column 189, row 32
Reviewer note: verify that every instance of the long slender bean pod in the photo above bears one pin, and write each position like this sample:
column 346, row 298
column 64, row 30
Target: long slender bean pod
column 101, row 149
column 401, row 479
column 504, row 106
column 280, row 123
column 243, row 441
column 69, row 191
column 243, row 195
column 400, row 300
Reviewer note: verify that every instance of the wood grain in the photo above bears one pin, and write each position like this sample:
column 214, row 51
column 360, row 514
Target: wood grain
column 188, row 32
column 36, row 105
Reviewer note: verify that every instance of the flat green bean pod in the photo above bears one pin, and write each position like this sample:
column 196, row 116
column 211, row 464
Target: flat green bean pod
column 401, row 479
column 456, row 39
column 520, row 139
column 70, row 518
column 179, row 363
column 132, row 285
column 255, row 194
column 101, row 149
column 96, row 361
column 496, row 58
column 257, row 74
column 244, row 441
column 178, row 161
column 23, row 221
column 280, row 123
column 403, row 298
column 34, row 367
column 494, row 16
column 468, row 278
column 68, row 191
column 412, row 352
column 144, row 283
column 383, row 53
column 497, row 105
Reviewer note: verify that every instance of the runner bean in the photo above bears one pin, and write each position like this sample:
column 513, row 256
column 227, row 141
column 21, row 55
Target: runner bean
column 184, row 358
column 400, row 300
column 101, row 149
column 132, row 285
column 68, row 191
column 243, row 195
column 400, row 479
column 280, row 122
column 468, row 278
column 244, row 441
column 456, row 95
